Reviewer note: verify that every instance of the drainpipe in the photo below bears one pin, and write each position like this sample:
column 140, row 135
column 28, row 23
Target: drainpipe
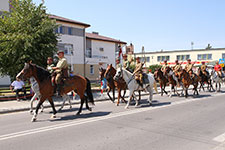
column 84, row 53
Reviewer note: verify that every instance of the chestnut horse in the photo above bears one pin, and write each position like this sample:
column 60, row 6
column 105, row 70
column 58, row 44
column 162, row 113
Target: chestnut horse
column 76, row 83
column 158, row 75
column 187, row 81
column 205, row 79
column 120, row 84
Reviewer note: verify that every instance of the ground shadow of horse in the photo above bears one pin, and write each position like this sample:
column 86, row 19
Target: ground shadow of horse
column 88, row 115
column 201, row 96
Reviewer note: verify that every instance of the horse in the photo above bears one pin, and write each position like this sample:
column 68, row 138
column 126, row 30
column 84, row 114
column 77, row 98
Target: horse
column 173, row 84
column 158, row 75
column 110, row 83
column 120, row 84
column 187, row 81
column 134, row 86
column 76, row 83
column 205, row 79
column 37, row 95
column 216, row 79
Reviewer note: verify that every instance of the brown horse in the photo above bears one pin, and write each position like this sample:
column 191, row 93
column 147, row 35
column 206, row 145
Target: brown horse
column 158, row 75
column 205, row 79
column 76, row 83
column 187, row 81
column 120, row 84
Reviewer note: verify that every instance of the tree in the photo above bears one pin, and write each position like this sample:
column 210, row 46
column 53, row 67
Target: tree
column 26, row 33
column 154, row 67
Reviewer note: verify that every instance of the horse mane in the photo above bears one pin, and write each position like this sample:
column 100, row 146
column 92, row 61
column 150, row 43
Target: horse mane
column 128, row 72
column 42, row 73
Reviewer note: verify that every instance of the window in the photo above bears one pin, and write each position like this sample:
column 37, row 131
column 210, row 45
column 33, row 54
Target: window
column 101, row 49
column 162, row 58
column 91, row 69
column 183, row 57
column 88, row 53
column 67, row 48
column 204, row 56
column 147, row 59
column 69, row 30
column 223, row 55
column 61, row 29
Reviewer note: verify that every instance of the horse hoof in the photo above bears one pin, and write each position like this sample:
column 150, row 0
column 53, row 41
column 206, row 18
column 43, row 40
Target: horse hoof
column 150, row 104
column 53, row 116
column 70, row 107
column 90, row 109
column 78, row 113
column 117, row 104
column 31, row 111
column 33, row 119
column 126, row 107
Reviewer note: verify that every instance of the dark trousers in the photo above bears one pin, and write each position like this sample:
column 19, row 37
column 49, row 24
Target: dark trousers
column 20, row 90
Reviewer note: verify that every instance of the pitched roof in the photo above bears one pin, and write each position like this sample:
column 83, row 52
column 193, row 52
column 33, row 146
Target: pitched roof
column 102, row 38
column 68, row 20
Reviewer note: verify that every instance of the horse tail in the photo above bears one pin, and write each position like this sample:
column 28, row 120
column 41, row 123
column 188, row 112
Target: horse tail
column 89, row 92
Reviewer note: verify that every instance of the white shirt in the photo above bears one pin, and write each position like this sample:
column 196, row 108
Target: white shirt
column 17, row 84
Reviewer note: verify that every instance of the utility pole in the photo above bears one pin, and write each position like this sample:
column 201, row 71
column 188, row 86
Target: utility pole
column 192, row 44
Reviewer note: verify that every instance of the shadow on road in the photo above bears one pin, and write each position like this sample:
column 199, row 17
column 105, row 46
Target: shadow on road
column 88, row 115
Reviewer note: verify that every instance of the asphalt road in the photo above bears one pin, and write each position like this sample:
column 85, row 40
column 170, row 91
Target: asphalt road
column 170, row 124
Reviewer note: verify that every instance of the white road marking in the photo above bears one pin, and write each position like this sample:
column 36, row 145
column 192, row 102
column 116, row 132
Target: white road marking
column 75, row 123
column 220, row 138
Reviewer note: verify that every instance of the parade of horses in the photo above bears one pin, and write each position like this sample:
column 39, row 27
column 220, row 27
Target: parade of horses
column 181, row 82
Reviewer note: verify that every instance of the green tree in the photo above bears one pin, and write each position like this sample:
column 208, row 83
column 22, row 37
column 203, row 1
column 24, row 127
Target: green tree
column 26, row 33
column 154, row 67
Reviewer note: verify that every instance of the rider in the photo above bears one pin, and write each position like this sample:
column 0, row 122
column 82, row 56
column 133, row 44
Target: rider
column 218, row 69
column 177, row 68
column 50, row 65
column 204, row 69
column 126, row 63
column 163, row 69
column 138, row 71
column 61, row 70
column 189, row 67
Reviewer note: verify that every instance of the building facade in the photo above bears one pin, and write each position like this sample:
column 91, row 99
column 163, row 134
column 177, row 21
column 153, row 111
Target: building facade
column 210, row 56
column 100, row 51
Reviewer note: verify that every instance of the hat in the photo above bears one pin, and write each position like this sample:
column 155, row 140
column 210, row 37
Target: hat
column 189, row 60
column 124, row 55
column 137, row 58
column 203, row 62
column 176, row 60
column 165, row 60
column 60, row 51
column 50, row 58
column 117, row 59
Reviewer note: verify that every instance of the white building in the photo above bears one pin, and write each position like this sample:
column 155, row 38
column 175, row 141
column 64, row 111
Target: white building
column 4, row 6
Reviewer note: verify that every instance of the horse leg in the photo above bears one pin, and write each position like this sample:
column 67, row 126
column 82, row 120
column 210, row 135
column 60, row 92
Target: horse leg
column 34, row 118
column 124, row 93
column 119, row 95
column 150, row 90
column 81, row 105
column 64, row 100
column 53, row 107
column 139, row 92
column 186, row 92
column 32, row 101
column 130, row 97
column 113, row 90
column 109, row 89
column 171, row 90
column 86, row 102
column 164, row 89
column 155, row 87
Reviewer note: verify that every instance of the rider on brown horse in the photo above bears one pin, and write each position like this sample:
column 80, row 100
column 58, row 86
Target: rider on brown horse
column 163, row 69
column 203, row 69
column 189, row 67
column 176, row 69
column 61, row 70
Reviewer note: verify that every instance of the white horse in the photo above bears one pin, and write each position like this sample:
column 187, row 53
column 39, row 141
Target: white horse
column 216, row 79
column 35, row 89
column 134, row 86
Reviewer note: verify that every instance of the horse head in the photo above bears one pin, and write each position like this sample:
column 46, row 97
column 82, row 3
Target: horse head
column 119, row 74
column 26, row 72
column 110, row 72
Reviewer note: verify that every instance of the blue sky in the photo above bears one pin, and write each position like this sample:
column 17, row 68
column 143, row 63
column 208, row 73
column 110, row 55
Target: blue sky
column 154, row 24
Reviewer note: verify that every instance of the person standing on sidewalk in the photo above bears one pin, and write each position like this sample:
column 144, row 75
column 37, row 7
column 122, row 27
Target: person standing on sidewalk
column 18, row 86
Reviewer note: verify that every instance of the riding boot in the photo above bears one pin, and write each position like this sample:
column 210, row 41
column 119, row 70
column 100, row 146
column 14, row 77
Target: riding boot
column 138, row 81
column 58, row 89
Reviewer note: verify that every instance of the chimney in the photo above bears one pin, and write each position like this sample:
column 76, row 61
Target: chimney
column 95, row 32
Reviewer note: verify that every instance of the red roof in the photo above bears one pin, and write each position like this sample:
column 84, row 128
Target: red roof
column 68, row 20
column 102, row 38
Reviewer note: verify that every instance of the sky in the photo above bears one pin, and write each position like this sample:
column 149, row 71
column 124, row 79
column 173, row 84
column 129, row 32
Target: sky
column 155, row 24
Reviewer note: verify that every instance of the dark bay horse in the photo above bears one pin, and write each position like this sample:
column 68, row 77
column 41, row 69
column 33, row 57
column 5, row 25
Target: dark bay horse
column 187, row 81
column 158, row 75
column 76, row 83
column 120, row 84
column 205, row 79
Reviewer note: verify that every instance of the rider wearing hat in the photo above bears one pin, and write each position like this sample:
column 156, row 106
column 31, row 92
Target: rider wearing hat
column 138, row 71
column 177, row 68
column 189, row 67
column 203, row 69
column 126, row 63
column 61, row 70
column 165, row 65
